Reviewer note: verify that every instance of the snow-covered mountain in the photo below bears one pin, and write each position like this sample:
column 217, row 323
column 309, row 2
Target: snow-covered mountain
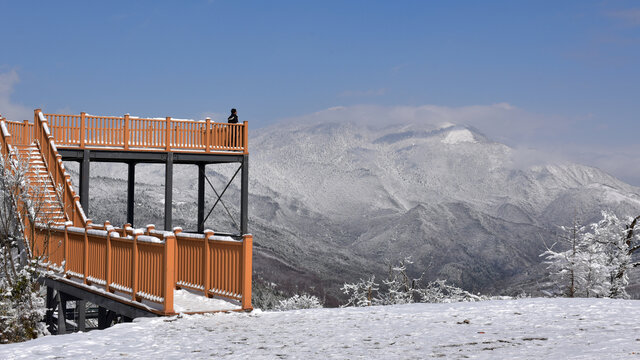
column 330, row 201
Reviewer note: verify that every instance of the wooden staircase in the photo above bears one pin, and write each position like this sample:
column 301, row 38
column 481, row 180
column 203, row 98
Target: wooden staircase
column 40, row 186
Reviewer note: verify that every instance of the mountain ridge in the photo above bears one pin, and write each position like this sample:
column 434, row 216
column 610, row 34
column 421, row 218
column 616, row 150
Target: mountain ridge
column 330, row 201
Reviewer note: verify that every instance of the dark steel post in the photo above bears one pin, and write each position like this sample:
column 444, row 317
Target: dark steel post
column 50, row 308
column 62, row 323
column 244, row 200
column 201, row 175
column 168, row 192
column 102, row 318
column 131, row 185
column 82, row 314
column 84, row 182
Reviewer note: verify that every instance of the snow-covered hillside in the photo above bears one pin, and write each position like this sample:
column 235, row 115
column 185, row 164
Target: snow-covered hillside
column 507, row 329
column 331, row 200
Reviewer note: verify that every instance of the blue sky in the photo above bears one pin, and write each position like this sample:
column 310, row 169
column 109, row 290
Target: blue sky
column 571, row 66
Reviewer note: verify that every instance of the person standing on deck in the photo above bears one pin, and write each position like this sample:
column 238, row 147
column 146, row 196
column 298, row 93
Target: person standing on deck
column 233, row 118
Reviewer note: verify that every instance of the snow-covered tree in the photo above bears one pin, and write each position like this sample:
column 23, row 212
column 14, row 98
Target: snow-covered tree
column 592, row 271
column 563, row 265
column 297, row 302
column 620, row 242
column 361, row 293
column 400, row 288
column 21, row 305
column 438, row 291
column 597, row 262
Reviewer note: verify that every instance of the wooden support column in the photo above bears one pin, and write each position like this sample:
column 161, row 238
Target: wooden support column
column 168, row 192
column 244, row 195
column 84, row 182
column 131, row 183
column 201, row 193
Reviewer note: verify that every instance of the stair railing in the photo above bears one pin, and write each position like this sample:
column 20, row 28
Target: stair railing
column 53, row 162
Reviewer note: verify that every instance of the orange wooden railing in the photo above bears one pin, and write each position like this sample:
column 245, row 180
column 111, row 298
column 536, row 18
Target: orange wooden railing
column 216, row 265
column 132, row 133
column 143, row 265
column 21, row 132
column 53, row 162
column 149, row 266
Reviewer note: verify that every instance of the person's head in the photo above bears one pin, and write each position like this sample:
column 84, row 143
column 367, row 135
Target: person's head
column 233, row 111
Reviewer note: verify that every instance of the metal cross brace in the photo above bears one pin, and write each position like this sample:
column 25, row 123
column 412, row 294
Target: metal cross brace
column 219, row 200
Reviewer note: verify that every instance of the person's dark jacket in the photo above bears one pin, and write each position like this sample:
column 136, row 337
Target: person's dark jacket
column 232, row 119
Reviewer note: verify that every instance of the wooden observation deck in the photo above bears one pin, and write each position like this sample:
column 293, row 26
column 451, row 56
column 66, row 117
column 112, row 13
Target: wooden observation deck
column 126, row 271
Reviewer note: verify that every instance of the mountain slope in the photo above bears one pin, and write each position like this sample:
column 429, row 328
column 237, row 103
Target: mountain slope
column 331, row 201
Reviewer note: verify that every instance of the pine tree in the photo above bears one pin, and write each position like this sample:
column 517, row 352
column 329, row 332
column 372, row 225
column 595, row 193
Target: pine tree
column 564, row 265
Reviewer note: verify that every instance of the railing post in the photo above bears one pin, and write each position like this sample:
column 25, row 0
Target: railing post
column 126, row 131
column 245, row 137
column 107, row 271
column 206, row 278
column 169, row 272
column 65, row 195
column 66, row 248
column 207, row 135
column 25, row 132
column 247, row 253
column 83, row 117
column 77, row 219
column 54, row 169
column 47, row 236
column 85, row 257
column 36, row 124
column 167, row 135
column 134, row 267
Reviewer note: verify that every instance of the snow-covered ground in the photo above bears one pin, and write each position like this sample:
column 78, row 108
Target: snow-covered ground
column 508, row 329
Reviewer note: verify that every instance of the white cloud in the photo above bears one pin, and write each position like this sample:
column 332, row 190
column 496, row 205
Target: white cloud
column 536, row 138
column 8, row 109
column 628, row 16
column 502, row 121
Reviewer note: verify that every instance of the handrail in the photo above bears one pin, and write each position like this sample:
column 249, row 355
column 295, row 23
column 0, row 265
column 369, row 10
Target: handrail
column 53, row 161
column 133, row 133
column 138, row 266
column 146, row 267
column 215, row 265
column 8, row 154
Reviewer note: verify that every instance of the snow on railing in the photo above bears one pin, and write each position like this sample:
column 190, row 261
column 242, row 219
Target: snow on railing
column 5, row 131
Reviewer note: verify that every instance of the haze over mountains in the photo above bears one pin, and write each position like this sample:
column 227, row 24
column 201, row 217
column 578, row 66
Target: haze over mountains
column 332, row 197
